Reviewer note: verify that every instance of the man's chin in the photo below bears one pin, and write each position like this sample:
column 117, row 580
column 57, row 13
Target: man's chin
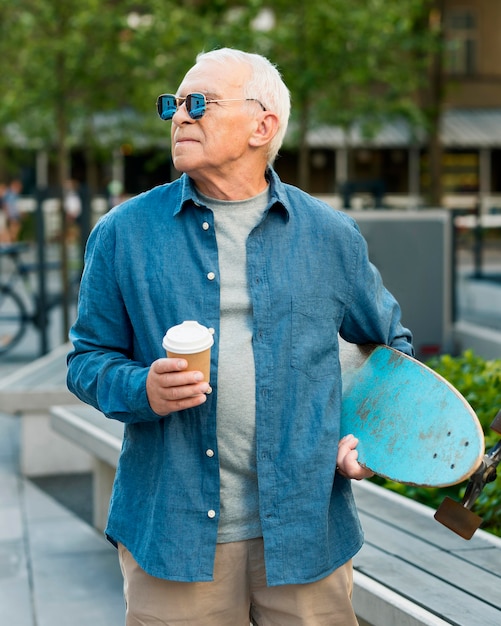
column 179, row 165
column 183, row 164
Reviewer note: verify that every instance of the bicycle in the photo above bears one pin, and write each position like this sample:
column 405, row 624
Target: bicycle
column 15, row 314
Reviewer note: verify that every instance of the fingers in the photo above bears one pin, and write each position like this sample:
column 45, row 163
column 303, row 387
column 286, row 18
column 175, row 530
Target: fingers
column 170, row 387
column 347, row 460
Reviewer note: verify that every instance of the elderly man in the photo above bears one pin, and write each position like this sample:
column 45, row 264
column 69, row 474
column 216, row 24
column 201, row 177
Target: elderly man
column 232, row 503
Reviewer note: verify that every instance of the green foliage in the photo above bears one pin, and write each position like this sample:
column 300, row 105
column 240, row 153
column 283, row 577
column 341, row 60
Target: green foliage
column 479, row 381
column 351, row 59
column 72, row 61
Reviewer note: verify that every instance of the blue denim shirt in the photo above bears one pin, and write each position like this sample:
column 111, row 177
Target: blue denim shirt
column 152, row 262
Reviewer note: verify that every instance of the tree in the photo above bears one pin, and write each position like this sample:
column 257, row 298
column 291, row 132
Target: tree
column 87, row 73
column 348, row 61
column 60, row 78
column 433, row 92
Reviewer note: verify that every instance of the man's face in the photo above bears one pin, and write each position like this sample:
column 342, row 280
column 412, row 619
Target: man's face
column 216, row 145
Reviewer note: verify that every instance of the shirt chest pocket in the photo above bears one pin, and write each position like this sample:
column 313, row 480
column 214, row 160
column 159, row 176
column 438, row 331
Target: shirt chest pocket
column 314, row 336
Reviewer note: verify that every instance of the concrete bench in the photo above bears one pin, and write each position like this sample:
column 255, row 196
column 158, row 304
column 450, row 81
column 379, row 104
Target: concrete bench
column 411, row 571
column 29, row 392
column 84, row 426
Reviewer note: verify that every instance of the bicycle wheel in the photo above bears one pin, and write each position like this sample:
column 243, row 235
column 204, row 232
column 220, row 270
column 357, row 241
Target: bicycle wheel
column 13, row 319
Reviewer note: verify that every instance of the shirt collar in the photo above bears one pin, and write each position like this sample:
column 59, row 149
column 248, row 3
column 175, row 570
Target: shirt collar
column 278, row 195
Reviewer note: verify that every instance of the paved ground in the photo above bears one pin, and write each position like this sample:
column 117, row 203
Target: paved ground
column 55, row 570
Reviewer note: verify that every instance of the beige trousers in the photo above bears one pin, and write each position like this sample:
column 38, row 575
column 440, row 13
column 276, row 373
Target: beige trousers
column 237, row 595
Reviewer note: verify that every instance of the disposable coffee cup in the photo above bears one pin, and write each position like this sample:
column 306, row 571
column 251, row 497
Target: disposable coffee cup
column 191, row 341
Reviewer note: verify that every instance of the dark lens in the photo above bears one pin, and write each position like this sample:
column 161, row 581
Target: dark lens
column 166, row 106
column 195, row 103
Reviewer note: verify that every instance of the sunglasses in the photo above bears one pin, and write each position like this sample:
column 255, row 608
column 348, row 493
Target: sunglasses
column 196, row 104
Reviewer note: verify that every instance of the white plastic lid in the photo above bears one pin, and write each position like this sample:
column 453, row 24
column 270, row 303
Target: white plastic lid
column 187, row 338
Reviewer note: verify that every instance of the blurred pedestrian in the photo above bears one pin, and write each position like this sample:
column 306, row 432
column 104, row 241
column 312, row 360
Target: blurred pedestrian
column 11, row 208
column 4, row 235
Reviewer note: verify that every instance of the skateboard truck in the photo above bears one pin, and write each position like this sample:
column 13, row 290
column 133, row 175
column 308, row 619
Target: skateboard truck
column 457, row 516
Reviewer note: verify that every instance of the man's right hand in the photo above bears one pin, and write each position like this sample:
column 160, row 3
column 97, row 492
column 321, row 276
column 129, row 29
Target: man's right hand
column 170, row 387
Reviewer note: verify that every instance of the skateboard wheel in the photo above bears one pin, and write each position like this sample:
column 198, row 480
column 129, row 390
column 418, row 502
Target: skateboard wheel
column 496, row 424
column 458, row 518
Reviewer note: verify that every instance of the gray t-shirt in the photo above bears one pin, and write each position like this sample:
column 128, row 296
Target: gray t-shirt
column 239, row 519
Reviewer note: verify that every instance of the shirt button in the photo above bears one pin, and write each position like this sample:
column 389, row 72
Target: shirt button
column 209, row 452
column 211, row 276
column 211, row 514
column 206, row 225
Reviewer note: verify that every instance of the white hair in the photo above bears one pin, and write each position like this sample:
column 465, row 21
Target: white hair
column 265, row 84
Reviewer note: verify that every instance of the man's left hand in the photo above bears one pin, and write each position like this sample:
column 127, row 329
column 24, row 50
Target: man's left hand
column 347, row 463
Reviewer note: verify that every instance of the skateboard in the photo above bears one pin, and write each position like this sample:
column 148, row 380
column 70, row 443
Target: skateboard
column 458, row 516
column 413, row 426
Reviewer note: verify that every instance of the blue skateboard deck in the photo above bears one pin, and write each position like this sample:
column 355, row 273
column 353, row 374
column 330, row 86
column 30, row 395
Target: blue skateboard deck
column 413, row 426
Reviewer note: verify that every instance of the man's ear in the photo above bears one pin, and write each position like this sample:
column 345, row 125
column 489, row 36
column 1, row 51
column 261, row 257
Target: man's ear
column 266, row 129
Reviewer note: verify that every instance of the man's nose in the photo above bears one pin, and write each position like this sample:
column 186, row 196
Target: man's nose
column 181, row 116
